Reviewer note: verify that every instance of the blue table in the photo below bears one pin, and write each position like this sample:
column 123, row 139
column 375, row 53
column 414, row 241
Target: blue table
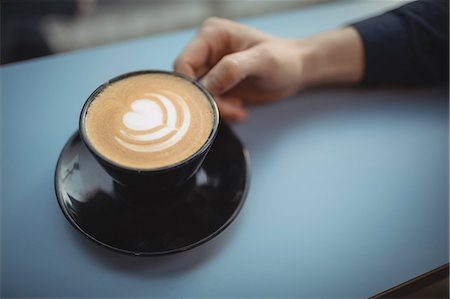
column 349, row 191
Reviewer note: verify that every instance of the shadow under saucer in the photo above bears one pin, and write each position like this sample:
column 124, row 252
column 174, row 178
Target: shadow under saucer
column 140, row 224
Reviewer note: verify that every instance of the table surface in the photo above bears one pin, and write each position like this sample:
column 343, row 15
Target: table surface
column 348, row 197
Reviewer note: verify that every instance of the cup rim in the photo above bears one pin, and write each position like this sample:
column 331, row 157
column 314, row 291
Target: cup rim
column 199, row 152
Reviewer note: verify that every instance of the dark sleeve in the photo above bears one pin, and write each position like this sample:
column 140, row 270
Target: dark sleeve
column 408, row 45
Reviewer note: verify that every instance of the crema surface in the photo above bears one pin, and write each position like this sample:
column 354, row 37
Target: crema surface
column 149, row 121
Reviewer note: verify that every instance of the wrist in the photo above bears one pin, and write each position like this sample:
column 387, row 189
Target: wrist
column 335, row 57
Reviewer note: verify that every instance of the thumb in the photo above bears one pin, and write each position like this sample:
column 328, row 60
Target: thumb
column 230, row 71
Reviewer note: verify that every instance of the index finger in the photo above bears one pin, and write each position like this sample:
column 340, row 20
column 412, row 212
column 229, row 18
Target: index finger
column 193, row 59
column 211, row 43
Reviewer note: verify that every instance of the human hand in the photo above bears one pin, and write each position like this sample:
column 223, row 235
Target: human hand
column 240, row 65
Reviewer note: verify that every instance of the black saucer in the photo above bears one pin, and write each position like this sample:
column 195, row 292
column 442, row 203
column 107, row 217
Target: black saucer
column 135, row 224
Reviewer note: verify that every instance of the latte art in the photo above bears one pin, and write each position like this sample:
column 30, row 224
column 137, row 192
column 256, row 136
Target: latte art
column 153, row 124
column 149, row 120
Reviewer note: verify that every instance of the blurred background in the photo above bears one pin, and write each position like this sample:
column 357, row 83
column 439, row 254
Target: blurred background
column 33, row 28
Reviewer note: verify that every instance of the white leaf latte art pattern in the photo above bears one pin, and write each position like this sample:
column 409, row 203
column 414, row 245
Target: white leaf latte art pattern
column 151, row 123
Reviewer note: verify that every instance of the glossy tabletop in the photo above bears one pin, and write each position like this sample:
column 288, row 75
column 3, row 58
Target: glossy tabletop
column 348, row 196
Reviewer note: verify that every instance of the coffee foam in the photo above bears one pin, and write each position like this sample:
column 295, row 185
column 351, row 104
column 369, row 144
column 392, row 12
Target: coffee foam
column 153, row 119
column 149, row 120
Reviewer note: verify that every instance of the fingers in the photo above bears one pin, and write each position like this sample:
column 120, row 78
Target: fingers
column 193, row 58
column 231, row 109
column 215, row 39
column 230, row 71
column 208, row 46
column 227, row 74
column 221, row 55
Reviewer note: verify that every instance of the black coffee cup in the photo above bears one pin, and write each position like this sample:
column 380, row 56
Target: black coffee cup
column 162, row 180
